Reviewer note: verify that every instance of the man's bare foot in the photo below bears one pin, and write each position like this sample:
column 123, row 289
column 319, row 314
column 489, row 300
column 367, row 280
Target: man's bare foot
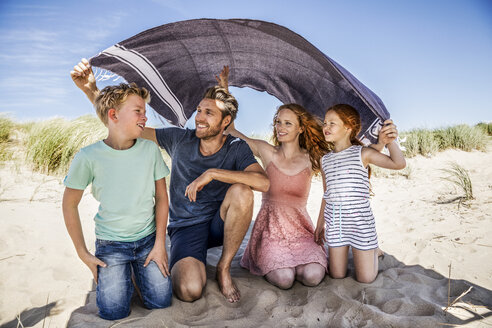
column 226, row 285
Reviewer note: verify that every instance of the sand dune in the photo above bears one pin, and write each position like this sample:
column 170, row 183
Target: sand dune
column 420, row 229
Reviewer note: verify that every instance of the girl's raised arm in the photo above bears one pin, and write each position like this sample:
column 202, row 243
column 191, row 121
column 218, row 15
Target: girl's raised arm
column 395, row 160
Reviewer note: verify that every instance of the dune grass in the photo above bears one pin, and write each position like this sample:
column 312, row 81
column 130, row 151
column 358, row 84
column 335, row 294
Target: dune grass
column 51, row 145
column 420, row 141
column 427, row 142
column 6, row 129
column 459, row 177
column 485, row 127
column 462, row 137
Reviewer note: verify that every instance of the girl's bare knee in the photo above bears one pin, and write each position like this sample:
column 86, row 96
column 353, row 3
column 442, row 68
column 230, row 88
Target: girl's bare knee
column 338, row 275
column 366, row 278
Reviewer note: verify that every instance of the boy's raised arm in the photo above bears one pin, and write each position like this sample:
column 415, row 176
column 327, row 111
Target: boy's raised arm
column 84, row 79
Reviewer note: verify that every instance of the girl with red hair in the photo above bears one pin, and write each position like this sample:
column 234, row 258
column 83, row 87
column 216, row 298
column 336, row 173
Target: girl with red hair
column 345, row 209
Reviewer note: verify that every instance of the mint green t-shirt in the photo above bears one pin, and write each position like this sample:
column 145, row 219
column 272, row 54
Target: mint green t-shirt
column 123, row 181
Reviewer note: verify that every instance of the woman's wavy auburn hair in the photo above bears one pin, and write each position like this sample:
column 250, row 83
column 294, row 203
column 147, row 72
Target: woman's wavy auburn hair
column 311, row 138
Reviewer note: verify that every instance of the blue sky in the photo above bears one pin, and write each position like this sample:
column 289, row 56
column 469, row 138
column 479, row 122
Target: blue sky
column 429, row 61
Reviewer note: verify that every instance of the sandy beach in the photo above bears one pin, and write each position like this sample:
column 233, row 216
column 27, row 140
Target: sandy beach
column 421, row 229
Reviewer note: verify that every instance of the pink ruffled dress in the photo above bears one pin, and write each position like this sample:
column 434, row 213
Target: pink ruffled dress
column 283, row 233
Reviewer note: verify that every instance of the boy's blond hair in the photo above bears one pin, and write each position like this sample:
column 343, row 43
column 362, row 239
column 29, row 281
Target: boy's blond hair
column 114, row 96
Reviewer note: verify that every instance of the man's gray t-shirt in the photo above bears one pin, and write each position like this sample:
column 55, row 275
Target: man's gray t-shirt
column 188, row 164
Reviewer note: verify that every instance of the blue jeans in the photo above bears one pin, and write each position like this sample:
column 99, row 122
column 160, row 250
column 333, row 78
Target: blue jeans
column 115, row 288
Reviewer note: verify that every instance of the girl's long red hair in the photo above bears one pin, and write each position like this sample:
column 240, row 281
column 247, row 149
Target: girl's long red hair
column 351, row 119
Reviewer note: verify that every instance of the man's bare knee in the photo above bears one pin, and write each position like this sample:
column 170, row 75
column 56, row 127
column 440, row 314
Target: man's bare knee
column 188, row 291
column 241, row 194
column 188, row 276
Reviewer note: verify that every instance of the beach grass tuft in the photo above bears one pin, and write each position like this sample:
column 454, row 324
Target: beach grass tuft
column 462, row 137
column 460, row 177
column 6, row 129
column 51, row 145
column 428, row 142
column 420, row 141
column 485, row 127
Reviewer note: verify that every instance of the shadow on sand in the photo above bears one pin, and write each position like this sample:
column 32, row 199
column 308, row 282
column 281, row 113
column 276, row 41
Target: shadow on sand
column 30, row 317
column 401, row 296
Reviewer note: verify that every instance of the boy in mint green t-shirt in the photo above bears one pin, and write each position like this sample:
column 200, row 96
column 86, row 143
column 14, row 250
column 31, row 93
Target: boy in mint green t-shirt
column 127, row 176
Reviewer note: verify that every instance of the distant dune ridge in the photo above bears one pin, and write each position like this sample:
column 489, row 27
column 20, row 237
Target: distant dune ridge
column 422, row 226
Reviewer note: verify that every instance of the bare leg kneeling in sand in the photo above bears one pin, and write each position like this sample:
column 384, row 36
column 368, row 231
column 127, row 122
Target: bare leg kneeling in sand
column 237, row 212
column 189, row 275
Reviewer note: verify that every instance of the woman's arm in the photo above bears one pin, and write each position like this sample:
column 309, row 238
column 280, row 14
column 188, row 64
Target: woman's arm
column 260, row 148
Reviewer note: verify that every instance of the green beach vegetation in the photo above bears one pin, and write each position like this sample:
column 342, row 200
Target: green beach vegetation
column 428, row 142
column 49, row 146
column 486, row 127
column 6, row 128
column 460, row 178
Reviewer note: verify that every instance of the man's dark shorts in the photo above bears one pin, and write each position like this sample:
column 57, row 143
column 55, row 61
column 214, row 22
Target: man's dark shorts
column 194, row 240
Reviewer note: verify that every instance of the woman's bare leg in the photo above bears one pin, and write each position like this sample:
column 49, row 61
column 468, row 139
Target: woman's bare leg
column 310, row 274
column 282, row 278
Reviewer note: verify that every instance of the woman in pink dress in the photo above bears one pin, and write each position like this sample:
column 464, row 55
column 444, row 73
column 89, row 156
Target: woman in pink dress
column 282, row 246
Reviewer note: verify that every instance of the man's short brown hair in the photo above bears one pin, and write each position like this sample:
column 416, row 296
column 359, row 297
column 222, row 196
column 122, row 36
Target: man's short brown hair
column 230, row 103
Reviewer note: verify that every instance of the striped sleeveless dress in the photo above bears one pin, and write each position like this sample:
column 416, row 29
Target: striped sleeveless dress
column 348, row 215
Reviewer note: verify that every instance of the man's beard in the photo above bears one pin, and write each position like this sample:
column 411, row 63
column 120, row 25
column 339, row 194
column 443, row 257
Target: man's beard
column 211, row 133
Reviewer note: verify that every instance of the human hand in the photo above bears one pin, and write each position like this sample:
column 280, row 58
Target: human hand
column 92, row 262
column 197, row 185
column 319, row 234
column 388, row 133
column 83, row 77
column 158, row 254
column 223, row 78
